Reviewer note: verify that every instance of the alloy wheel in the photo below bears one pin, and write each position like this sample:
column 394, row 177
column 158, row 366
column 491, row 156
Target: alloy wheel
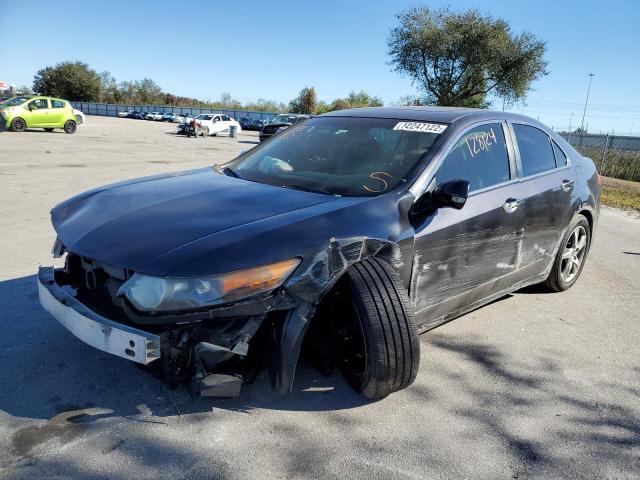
column 573, row 254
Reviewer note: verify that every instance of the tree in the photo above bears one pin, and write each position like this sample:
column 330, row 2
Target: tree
column 148, row 91
column 359, row 99
column 23, row 90
column 461, row 58
column 109, row 92
column 305, row 102
column 363, row 99
column 410, row 101
column 69, row 80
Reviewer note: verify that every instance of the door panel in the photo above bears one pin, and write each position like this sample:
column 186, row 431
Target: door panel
column 39, row 116
column 463, row 256
column 57, row 112
column 547, row 192
column 547, row 208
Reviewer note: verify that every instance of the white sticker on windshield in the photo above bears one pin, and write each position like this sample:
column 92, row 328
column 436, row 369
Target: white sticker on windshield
column 420, row 127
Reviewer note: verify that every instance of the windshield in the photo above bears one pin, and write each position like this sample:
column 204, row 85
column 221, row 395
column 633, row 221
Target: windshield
column 340, row 155
column 14, row 101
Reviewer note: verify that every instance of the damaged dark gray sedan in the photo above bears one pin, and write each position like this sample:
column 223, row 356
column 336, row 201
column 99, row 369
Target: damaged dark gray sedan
column 351, row 232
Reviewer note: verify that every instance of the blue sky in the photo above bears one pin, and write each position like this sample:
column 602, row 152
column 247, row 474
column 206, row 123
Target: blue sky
column 260, row 49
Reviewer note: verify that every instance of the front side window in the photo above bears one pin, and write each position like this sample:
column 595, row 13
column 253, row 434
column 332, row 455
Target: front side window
column 57, row 104
column 536, row 154
column 479, row 156
column 340, row 155
column 39, row 104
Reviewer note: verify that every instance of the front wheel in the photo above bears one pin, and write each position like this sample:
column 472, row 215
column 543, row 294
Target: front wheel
column 70, row 127
column 18, row 125
column 571, row 255
column 378, row 338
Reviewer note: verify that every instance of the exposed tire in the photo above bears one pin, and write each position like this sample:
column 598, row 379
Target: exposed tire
column 48, row 129
column 571, row 255
column 79, row 120
column 388, row 334
column 18, row 125
column 70, row 127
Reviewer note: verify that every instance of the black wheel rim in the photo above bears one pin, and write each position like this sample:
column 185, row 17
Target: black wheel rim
column 352, row 352
column 19, row 124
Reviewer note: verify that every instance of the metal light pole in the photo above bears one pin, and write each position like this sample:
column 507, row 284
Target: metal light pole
column 591, row 75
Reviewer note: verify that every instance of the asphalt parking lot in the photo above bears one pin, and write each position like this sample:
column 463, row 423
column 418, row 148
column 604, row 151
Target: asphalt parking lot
column 534, row 385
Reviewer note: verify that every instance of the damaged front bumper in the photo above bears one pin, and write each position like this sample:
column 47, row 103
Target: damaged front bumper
column 209, row 350
column 93, row 329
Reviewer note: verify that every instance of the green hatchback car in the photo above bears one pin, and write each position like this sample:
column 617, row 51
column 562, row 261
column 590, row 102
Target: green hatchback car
column 20, row 113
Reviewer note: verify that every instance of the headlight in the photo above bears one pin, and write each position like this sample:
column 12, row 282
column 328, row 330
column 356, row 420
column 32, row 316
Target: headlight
column 148, row 293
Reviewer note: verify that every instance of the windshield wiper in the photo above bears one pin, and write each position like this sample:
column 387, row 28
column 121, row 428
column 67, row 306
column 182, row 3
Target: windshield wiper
column 230, row 172
column 308, row 189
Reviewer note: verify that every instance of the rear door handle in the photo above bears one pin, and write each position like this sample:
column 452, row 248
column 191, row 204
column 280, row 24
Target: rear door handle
column 567, row 185
column 511, row 205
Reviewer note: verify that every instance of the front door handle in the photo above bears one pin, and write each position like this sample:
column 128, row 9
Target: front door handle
column 567, row 185
column 511, row 205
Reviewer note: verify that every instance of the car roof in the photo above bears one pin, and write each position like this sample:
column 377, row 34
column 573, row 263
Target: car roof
column 431, row 114
column 35, row 97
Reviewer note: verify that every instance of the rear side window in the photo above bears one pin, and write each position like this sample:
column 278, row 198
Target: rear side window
column 57, row 104
column 479, row 156
column 561, row 158
column 536, row 153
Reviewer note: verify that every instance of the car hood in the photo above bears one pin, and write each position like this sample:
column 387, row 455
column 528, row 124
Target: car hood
column 154, row 225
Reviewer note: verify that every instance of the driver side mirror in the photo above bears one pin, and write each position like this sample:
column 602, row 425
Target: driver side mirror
column 451, row 194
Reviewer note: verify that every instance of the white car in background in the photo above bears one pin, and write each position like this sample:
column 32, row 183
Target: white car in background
column 124, row 114
column 217, row 124
column 183, row 118
column 79, row 116
column 154, row 116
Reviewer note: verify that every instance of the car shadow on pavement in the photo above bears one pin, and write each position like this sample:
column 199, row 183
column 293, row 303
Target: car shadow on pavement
column 46, row 371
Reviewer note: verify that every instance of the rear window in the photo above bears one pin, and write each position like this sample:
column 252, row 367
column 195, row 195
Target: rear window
column 57, row 104
column 536, row 153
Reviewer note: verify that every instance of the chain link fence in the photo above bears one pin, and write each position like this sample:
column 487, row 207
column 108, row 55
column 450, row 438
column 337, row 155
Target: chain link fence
column 111, row 110
column 615, row 155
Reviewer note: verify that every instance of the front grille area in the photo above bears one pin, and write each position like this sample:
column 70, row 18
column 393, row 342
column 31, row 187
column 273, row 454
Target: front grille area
column 97, row 284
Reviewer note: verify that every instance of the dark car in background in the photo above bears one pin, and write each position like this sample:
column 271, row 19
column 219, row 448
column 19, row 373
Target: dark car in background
column 353, row 231
column 245, row 122
column 280, row 122
column 254, row 124
column 136, row 115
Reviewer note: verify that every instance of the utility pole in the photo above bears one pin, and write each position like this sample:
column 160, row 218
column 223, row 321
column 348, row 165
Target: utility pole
column 570, row 121
column 591, row 75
